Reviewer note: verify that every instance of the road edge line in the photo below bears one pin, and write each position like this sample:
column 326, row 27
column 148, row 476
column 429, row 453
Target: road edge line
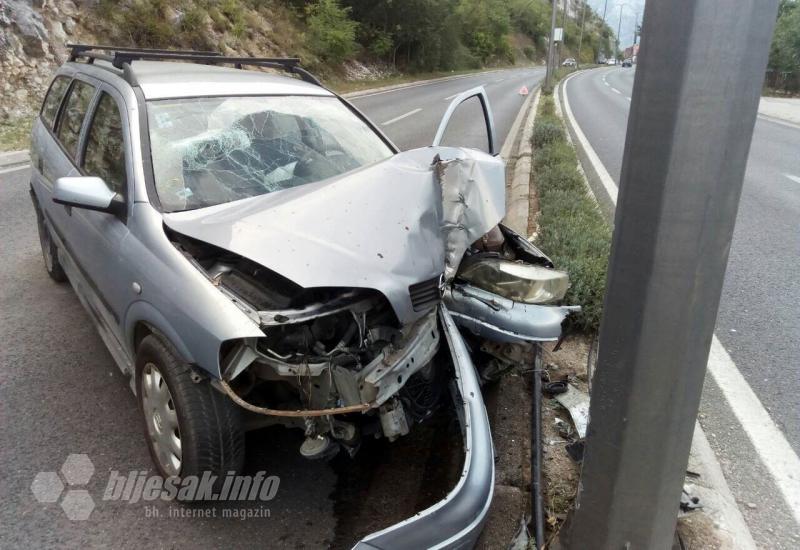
column 392, row 87
column 720, row 501
column 11, row 160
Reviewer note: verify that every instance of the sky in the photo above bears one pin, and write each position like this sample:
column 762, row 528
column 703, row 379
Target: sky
column 629, row 9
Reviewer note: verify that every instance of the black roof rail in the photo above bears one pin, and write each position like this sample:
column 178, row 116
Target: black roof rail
column 119, row 57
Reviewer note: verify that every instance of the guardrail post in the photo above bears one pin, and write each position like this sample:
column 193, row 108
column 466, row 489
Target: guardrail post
column 693, row 109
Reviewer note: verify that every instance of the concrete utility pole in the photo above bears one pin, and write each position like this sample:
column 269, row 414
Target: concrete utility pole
column 619, row 28
column 548, row 79
column 580, row 37
column 605, row 8
column 689, row 131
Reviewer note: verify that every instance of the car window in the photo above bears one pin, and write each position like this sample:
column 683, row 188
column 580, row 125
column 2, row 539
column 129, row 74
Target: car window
column 71, row 119
column 105, row 147
column 53, row 99
column 212, row 150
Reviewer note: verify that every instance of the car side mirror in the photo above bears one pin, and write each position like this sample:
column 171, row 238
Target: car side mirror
column 88, row 192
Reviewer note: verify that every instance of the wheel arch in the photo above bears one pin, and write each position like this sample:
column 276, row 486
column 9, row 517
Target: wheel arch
column 143, row 319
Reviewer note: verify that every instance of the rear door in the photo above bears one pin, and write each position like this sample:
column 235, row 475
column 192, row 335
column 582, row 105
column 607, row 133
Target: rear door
column 59, row 154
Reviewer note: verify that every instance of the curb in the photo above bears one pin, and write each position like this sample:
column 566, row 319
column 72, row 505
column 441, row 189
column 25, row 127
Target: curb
column 710, row 486
column 14, row 159
column 510, row 398
column 518, row 192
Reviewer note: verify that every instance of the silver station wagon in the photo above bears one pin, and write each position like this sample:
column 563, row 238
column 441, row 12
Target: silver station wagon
column 254, row 251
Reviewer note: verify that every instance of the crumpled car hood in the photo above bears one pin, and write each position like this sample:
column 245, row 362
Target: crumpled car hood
column 382, row 227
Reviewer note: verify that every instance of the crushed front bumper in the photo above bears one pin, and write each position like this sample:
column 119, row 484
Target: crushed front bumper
column 502, row 320
column 456, row 521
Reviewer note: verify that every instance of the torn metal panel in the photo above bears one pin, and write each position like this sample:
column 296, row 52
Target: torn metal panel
column 473, row 202
column 577, row 403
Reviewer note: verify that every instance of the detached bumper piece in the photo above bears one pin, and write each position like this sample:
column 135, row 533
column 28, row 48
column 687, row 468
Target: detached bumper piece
column 456, row 521
column 499, row 319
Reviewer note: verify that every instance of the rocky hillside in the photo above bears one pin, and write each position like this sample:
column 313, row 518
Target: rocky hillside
column 33, row 34
column 339, row 40
column 32, row 37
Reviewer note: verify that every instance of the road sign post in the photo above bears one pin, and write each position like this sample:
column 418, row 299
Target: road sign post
column 548, row 79
column 693, row 109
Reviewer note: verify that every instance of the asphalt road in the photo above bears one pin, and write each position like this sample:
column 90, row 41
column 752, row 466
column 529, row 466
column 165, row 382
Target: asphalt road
column 411, row 116
column 758, row 321
column 61, row 393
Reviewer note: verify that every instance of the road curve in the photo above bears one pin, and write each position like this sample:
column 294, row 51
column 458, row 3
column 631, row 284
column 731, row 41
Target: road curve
column 757, row 323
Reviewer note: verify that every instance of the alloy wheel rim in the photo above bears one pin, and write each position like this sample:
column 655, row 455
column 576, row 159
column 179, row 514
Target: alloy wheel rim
column 162, row 420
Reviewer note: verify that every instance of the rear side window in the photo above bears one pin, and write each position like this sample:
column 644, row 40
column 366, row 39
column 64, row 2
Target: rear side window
column 53, row 99
column 69, row 124
column 105, row 146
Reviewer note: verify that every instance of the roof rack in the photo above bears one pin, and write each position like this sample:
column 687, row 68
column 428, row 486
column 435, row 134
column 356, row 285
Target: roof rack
column 122, row 57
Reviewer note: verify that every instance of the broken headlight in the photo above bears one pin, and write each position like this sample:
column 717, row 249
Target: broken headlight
column 521, row 282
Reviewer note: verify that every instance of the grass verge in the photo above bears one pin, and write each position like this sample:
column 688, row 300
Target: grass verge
column 572, row 229
column 15, row 134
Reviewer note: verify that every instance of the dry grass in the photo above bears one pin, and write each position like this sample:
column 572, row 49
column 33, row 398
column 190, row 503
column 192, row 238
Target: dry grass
column 15, row 134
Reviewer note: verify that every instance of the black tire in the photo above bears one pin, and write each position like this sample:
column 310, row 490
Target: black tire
column 210, row 426
column 49, row 250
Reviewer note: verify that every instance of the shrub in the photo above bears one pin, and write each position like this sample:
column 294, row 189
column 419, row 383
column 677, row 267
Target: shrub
column 572, row 229
column 331, row 32
column 530, row 52
column 547, row 131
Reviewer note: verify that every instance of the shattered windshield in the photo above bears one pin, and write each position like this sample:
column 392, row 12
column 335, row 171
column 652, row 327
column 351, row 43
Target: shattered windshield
column 213, row 150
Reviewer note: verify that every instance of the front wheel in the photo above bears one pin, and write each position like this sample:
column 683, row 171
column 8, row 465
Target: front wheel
column 190, row 427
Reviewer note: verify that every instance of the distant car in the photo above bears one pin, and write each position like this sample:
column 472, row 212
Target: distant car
column 569, row 62
column 611, row 62
column 627, row 62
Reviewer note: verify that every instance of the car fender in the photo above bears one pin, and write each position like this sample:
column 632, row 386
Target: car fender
column 144, row 312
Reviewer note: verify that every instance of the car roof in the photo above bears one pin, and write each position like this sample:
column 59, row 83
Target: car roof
column 168, row 79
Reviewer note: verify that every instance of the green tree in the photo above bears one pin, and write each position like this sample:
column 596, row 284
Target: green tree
column 485, row 25
column 331, row 32
column 785, row 51
column 532, row 18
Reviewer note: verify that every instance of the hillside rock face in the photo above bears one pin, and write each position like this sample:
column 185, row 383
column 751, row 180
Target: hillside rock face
column 33, row 34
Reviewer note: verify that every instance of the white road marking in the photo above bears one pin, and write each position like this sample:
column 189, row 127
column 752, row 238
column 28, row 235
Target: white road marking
column 795, row 179
column 448, row 98
column 15, row 169
column 626, row 97
column 401, row 117
column 768, row 441
column 778, row 121
column 616, row 91
column 605, row 177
